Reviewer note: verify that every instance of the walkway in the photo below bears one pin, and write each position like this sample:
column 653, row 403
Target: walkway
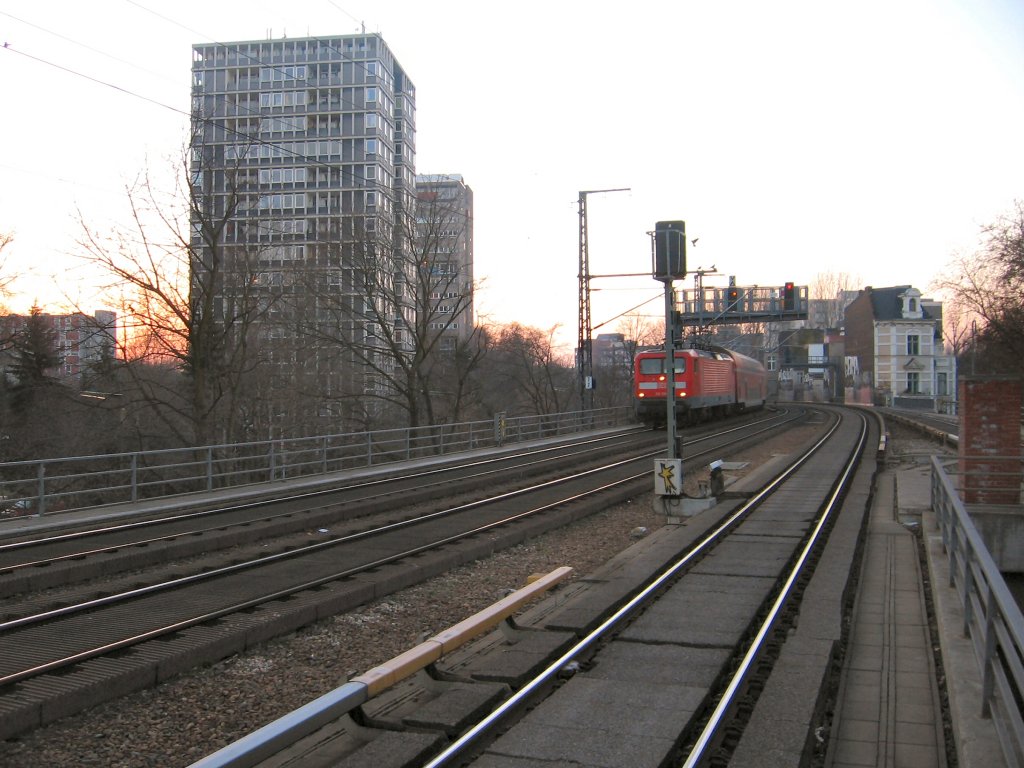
column 889, row 712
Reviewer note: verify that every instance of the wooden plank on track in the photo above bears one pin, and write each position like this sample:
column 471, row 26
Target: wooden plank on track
column 405, row 664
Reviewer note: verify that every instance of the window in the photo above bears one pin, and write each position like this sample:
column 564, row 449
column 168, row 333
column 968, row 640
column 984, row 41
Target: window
column 371, row 146
column 276, row 227
column 276, row 74
column 371, row 120
column 371, row 94
column 913, row 305
column 651, row 366
column 913, row 345
column 283, row 99
column 282, row 124
column 282, row 201
column 913, row 383
column 282, row 175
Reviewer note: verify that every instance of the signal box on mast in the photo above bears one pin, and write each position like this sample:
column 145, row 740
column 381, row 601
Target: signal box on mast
column 669, row 251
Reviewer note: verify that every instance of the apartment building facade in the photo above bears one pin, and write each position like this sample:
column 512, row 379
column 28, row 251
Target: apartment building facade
column 302, row 169
column 444, row 235
column 895, row 338
column 80, row 341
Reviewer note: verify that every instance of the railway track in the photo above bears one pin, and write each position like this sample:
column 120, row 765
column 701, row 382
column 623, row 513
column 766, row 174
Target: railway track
column 113, row 545
column 59, row 658
column 625, row 669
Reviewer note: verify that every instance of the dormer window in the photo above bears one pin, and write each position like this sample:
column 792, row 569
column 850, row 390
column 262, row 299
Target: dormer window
column 910, row 304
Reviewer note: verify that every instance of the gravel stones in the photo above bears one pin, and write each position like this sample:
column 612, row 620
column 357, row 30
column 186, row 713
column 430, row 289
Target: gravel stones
column 192, row 716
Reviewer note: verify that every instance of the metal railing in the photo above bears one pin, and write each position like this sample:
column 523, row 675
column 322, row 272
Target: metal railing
column 992, row 619
column 79, row 482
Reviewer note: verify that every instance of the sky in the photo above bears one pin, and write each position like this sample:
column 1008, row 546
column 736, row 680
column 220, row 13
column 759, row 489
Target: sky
column 795, row 138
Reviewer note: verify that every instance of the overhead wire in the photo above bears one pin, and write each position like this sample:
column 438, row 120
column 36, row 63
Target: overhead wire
column 79, row 43
column 246, row 139
column 243, row 137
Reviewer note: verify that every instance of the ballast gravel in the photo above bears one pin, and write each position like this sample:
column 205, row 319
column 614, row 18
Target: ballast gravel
column 192, row 716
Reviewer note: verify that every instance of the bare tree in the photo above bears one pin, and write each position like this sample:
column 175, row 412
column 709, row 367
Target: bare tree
column 526, row 374
column 987, row 287
column 830, row 290
column 958, row 327
column 641, row 331
column 6, row 278
column 187, row 300
column 400, row 313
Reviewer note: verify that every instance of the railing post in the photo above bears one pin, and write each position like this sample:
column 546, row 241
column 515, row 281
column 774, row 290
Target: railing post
column 135, row 477
column 272, row 462
column 209, row 468
column 323, row 465
column 951, row 550
column 41, row 488
column 369, row 449
column 968, row 588
column 988, row 660
column 500, row 428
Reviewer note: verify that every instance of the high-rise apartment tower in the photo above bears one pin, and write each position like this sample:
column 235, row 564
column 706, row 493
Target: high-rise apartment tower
column 302, row 167
column 445, row 235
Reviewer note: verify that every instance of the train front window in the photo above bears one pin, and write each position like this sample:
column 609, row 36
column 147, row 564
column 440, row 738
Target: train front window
column 652, row 366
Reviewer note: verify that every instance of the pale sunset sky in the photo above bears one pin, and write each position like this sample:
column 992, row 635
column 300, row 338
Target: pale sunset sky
column 872, row 138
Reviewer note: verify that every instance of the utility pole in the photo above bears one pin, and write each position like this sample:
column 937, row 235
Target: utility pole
column 584, row 347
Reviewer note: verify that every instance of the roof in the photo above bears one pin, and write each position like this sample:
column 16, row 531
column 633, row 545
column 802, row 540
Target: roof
column 886, row 303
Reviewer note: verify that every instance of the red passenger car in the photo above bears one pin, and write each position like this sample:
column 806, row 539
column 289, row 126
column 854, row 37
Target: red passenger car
column 709, row 383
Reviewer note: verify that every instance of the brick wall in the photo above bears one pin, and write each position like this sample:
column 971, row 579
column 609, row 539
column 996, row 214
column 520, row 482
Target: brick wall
column 859, row 329
column 990, row 442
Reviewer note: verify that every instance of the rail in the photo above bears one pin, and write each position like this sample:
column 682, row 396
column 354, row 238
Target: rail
column 992, row 619
column 271, row 738
column 79, row 482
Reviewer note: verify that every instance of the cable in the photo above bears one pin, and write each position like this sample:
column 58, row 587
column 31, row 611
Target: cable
column 248, row 139
column 83, row 45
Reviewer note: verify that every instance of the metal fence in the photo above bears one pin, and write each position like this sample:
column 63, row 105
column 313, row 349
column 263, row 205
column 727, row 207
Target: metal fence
column 992, row 619
column 78, row 482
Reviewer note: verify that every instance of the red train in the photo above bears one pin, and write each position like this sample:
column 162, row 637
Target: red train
column 710, row 383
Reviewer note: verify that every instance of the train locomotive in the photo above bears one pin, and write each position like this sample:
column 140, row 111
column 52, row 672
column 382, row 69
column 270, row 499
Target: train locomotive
column 710, row 383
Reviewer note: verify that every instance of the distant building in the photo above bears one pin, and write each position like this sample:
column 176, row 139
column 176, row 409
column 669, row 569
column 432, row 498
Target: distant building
column 302, row 173
column 610, row 350
column 80, row 340
column 445, row 229
column 895, row 337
